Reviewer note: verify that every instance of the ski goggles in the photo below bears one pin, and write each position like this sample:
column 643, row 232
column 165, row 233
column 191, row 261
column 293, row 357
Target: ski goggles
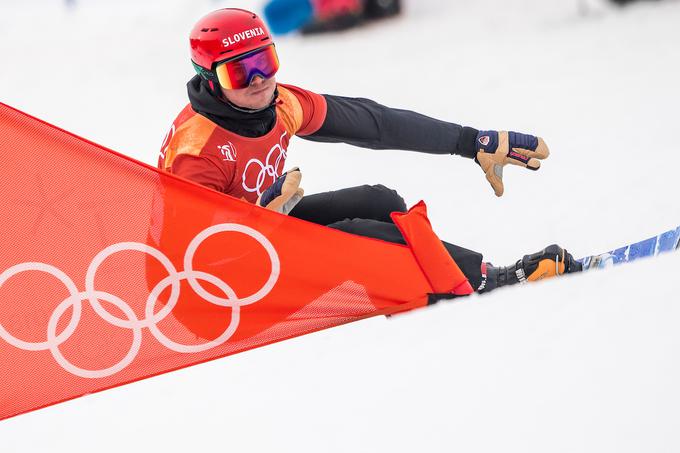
column 238, row 72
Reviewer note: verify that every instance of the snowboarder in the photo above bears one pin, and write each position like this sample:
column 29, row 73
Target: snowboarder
column 233, row 137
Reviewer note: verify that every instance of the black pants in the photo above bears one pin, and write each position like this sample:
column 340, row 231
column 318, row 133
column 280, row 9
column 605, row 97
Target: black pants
column 365, row 211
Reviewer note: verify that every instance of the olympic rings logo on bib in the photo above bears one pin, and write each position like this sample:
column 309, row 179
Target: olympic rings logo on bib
column 151, row 319
column 268, row 169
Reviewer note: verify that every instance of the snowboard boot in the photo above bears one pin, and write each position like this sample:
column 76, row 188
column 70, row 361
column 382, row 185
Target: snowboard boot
column 549, row 262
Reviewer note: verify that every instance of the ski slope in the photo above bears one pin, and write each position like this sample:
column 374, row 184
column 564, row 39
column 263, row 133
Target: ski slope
column 585, row 363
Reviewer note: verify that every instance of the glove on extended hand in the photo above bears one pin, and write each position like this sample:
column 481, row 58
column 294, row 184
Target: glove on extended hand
column 284, row 194
column 496, row 149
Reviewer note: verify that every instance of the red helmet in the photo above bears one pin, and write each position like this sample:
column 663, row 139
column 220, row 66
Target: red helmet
column 226, row 33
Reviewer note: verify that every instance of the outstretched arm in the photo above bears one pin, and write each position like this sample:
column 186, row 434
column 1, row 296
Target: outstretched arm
column 365, row 123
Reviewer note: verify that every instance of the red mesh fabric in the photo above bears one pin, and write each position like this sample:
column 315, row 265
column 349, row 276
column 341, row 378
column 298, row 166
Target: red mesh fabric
column 112, row 271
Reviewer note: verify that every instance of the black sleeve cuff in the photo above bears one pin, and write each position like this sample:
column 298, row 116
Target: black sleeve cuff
column 466, row 146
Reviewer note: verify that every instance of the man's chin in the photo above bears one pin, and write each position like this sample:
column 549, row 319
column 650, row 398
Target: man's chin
column 254, row 100
column 261, row 100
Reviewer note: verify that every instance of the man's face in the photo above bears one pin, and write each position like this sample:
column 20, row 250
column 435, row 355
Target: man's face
column 257, row 96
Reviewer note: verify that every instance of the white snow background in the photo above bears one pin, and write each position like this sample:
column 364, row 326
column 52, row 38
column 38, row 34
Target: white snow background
column 588, row 363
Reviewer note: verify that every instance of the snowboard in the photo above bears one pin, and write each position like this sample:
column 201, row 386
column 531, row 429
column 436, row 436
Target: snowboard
column 663, row 243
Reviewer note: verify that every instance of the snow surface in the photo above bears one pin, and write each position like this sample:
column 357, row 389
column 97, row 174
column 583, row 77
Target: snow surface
column 586, row 363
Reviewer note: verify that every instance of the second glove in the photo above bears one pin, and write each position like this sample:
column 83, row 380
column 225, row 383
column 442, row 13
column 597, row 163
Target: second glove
column 284, row 194
column 496, row 149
